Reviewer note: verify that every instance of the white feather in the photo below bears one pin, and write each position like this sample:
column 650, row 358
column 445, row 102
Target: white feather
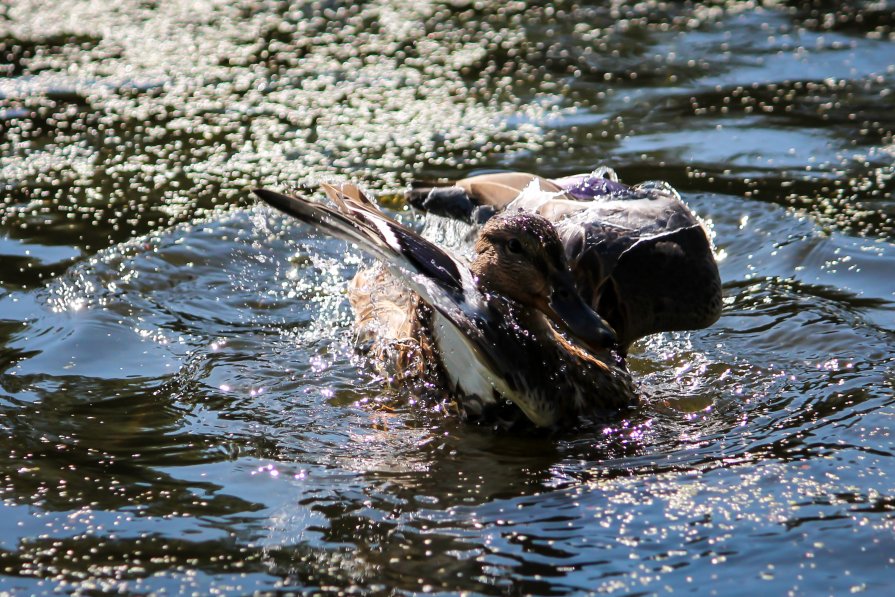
column 385, row 229
column 532, row 197
column 464, row 369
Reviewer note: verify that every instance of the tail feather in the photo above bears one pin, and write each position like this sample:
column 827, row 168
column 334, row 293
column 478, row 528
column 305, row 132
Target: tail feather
column 353, row 191
column 349, row 199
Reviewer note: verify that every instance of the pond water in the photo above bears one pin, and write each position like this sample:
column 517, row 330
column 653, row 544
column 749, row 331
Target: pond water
column 180, row 403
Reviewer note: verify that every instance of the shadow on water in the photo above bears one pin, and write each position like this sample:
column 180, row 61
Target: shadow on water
column 181, row 405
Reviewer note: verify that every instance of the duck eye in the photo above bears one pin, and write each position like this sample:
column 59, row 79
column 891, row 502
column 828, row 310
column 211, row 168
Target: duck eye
column 514, row 246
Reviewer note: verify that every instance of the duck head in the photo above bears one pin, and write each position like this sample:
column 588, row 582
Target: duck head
column 519, row 255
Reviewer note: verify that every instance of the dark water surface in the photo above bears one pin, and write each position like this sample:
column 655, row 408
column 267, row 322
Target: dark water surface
column 182, row 409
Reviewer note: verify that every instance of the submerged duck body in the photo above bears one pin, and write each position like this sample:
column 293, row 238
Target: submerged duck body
column 509, row 325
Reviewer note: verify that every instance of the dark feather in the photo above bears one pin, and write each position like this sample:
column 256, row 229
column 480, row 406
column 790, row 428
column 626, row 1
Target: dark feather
column 429, row 259
column 400, row 246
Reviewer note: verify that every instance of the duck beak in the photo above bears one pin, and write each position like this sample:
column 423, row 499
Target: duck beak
column 568, row 309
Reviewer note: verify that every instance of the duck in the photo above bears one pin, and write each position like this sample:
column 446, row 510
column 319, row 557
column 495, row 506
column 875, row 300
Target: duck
column 507, row 329
column 638, row 254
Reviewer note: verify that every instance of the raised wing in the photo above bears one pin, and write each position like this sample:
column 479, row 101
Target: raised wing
column 381, row 237
column 638, row 254
column 441, row 280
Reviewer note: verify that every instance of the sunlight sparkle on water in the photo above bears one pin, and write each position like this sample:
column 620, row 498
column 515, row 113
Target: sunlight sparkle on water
column 267, row 469
column 184, row 409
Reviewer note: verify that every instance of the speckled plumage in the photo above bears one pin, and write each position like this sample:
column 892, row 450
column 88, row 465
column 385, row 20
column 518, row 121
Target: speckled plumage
column 508, row 326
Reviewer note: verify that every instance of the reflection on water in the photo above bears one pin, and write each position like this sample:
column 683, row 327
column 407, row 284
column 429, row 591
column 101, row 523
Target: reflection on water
column 181, row 405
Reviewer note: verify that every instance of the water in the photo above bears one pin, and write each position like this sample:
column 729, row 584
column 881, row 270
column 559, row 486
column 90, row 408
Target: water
column 181, row 406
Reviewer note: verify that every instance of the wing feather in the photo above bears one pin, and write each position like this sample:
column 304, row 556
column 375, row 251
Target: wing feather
column 442, row 280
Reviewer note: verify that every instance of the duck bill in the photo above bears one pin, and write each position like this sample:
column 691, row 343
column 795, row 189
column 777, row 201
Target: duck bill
column 568, row 309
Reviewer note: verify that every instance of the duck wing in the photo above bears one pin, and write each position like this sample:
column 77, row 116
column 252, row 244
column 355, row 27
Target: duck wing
column 442, row 280
column 638, row 254
column 472, row 334
column 465, row 316
column 645, row 263
column 476, row 198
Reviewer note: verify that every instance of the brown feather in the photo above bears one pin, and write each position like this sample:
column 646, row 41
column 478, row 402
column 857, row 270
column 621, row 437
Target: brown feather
column 386, row 319
column 499, row 189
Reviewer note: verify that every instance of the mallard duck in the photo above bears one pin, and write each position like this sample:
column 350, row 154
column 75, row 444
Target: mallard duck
column 509, row 325
column 639, row 256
